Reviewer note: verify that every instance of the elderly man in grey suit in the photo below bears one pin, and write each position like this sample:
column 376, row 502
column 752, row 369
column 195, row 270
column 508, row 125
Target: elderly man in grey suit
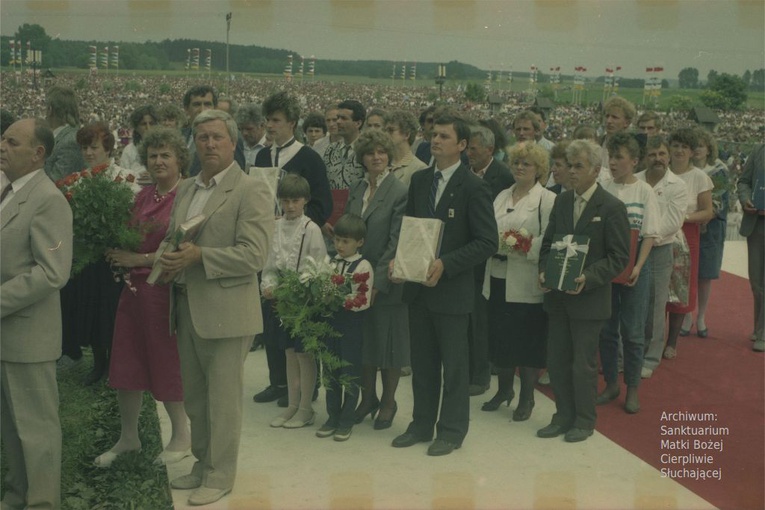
column 35, row 261
column 215, row 301
column 497, row 176
column 576, row 317
column 751, row 194
column 63, row 116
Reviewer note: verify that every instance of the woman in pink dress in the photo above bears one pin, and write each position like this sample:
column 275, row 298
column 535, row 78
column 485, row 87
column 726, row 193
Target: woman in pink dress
column 144, row 354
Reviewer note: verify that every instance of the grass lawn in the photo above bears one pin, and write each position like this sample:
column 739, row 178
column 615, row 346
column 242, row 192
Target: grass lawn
column 90, row 426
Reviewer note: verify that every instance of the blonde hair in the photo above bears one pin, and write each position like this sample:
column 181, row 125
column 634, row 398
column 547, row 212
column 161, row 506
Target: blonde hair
column 534, row 153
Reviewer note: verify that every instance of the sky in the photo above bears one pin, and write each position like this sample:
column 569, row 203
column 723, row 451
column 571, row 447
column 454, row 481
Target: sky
column 724, row 35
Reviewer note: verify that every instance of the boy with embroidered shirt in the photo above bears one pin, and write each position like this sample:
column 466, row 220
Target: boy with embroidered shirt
column 350, row 231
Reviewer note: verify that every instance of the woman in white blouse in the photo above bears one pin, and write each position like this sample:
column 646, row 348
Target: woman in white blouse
column 699, row 211
column 517, row 322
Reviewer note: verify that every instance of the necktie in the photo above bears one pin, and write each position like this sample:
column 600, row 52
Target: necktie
column 5, row 192
column 579, row 204
column 434, row 191
column 279, row 149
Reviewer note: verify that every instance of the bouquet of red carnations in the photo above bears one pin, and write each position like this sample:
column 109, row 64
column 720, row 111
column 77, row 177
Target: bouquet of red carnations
column 515, row 241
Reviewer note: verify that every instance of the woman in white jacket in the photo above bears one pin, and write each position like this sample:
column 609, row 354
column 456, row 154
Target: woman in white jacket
column 517, row 322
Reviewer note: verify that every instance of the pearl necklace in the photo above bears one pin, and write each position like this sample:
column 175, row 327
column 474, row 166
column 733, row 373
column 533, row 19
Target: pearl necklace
column 158, row 198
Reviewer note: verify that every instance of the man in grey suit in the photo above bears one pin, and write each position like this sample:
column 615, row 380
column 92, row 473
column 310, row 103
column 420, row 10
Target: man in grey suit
column 35, row 263
column 576, row 317
column 750, row 190
column 497, row 176
column 215, row 301
column 63, row 116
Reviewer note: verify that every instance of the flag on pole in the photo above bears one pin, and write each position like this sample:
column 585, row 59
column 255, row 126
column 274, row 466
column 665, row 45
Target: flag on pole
column 195, row 59
column 115, row 57
column 208, row 59
column 104, row 61
column 312, row 66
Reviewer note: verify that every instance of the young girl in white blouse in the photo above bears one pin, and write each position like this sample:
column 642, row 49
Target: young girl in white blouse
column 296, row 238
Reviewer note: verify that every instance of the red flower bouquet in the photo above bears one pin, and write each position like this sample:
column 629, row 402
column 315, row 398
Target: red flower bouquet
column 515, row 241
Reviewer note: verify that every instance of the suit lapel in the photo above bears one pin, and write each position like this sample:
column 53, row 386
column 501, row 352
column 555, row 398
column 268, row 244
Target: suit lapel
column 379, row 196
column 12, row 209
column 221, row 191
column 590, row 210
column 451, row 189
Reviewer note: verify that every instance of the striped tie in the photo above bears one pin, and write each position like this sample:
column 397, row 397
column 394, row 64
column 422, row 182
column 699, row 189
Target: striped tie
column 434, row 191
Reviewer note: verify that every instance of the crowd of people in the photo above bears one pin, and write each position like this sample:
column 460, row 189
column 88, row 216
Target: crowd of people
column 273, row 180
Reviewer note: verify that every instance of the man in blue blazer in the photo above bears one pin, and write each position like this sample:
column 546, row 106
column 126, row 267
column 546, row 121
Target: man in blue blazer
column 439, row 309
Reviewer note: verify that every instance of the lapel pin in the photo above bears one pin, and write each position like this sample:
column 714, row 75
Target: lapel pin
column 451, row 213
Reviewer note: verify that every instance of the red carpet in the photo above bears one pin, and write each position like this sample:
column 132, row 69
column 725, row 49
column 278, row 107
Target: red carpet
column 720, row 375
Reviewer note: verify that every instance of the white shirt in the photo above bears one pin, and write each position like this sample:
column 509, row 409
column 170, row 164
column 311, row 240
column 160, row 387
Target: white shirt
column 642, row 207
column 671, row 197
column 202, row 192
column 366, row 198
column 286, row 251
column 697, row 182
column 446, row 174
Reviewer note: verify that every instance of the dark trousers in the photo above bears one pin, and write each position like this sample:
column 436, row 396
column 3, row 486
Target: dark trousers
column 439, row 341
column 756, row 250
column 341, row 401
column 277, row 361
column 572, row 361
column 478, row 336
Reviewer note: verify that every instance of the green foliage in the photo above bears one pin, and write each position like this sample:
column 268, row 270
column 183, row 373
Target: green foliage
column 165, row 88
column 474, row 92
column 726, row 91
column 132, row 86
column 689, row 78
column 305, row 301
column 81, row 84
column 758, row 80
column 546, row 91
column 101, row 211
column 680, row 103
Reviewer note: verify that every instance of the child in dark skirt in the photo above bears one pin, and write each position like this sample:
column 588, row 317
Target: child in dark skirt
column 350, row 231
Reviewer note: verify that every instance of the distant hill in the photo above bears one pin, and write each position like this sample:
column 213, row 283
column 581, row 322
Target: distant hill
column 173, row 54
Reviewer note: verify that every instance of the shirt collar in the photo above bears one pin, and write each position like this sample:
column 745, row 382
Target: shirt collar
column 587, row 195
column 21, row 181
column 215, row 180
column 352, row 258
column 446, row 173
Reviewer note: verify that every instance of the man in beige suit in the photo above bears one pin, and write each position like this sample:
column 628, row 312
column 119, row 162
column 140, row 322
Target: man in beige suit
column 36, row 236
column 215, row 301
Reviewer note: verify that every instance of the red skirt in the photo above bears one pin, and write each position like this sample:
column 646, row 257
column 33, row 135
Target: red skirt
column 144, row 354
column 692, row 234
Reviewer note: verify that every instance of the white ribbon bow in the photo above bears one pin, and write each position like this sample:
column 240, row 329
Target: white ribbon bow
column 571, row 248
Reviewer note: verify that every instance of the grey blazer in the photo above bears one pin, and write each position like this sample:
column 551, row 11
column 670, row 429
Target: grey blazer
column 223, row 290
column 36, row 236
column 383, row 218
column 66, row 157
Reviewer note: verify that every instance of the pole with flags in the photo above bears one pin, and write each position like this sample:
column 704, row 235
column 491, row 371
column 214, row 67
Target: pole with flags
column 403, row 73
column 105, row 58
column 288, row 69
column 413, row 72
column 228, row 70
column 195, row 59
column 393, row 75
column 312, row 67
column 300, row 67
column 115, row 56
column 13, row 54
column 208, row 60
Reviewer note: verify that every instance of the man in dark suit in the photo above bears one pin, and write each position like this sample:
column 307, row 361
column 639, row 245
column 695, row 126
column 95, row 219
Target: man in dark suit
column 576, row 317
column 753, row 228
column 36, row 236
column 196, row 100
column 497, row 176
column 439, row 309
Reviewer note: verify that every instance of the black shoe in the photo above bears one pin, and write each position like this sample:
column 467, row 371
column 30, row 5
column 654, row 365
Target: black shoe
column 386, row 424
column 371, row 411
column 343, row 434
column 552, row 430
column 94, row 376
column 270, row 394
column 477, row 389
column 442, row 447
column 408, row 439
column 523, row 411
column 576, row 435
column 257, row 343
column 610, row 393
column 283, row 401
column 496, row 401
